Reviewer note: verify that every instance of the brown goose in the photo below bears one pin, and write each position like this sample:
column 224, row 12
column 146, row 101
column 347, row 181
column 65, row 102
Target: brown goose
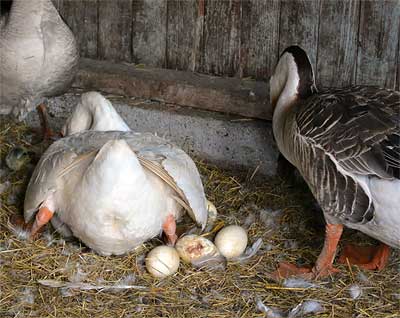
column 38, row 57
column 346, row 145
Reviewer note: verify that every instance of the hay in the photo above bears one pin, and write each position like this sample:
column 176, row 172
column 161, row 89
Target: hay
column 241, row 290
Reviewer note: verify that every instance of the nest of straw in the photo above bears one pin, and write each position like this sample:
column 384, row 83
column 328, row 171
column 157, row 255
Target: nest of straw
column 279, row 212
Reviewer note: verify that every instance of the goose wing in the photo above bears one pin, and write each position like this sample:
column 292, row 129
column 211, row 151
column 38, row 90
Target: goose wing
column 176, row 169
column 165, row 160
column 52, row 167
column 358, row 128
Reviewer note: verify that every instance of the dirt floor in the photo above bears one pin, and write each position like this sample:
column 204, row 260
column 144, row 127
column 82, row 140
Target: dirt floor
column 85, row 284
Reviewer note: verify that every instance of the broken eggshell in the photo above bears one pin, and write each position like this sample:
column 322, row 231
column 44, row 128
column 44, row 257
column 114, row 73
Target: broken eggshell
column 193, row 248
column 162, row 261
column 231, row 241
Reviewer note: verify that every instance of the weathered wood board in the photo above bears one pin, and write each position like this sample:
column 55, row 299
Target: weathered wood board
column 378, row 43
column 348, row 41
column 115, row 30
column 149, row 32
column 82, row 18
column 337, row 43
column 299, row 21
column 259, row 38
column 221, row 38
column 182, row 38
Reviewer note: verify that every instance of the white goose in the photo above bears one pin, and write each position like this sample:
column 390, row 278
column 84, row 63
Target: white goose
column 38, row 58
column 112, row 189
column 346, row 145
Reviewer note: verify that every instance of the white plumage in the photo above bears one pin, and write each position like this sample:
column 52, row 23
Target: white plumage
column 113, row 189
column 38, row 56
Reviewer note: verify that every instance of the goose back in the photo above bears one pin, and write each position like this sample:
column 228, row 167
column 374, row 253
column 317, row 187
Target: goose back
column 38, row 56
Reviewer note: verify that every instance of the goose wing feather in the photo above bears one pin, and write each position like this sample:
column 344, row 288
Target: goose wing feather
column 60, row 158
column 175, row 168
column 359, row 128
column 178, row 170
column 44, row 180
column 157, row 155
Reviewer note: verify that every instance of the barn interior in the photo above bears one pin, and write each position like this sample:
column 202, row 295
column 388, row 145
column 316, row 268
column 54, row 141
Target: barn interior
column 196, row 72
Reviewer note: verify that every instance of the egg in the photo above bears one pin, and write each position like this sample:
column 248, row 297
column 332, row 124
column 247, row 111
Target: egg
column 162, row 261
column 193, row 248
column 231, row 241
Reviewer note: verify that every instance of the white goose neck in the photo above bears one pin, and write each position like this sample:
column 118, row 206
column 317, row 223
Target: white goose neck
column 105, row 116
column 284, row 84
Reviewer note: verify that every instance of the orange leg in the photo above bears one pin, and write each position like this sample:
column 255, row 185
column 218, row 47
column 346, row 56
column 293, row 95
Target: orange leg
column 169, row 228
column 47, row 132
column 42, row 218
column 367, row 257
column 323, row 267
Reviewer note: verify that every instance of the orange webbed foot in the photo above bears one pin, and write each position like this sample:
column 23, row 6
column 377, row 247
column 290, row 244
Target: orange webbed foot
column 22, row 230
column 367, row 257
column 169, row 228
column 47, row 133
column 323, row 267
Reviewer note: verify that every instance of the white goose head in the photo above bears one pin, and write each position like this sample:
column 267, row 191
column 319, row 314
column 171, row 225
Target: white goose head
column 93, row 112
column 293, row 78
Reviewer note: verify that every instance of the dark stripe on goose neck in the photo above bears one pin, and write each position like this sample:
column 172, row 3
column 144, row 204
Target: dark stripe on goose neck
column 306, row 77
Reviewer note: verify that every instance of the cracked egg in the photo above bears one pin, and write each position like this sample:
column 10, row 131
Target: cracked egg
column 192, row 248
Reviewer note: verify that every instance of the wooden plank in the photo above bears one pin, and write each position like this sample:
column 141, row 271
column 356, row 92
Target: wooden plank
column 299, row 25
column 337, row 46
column 378, row 43
column 115, row 29
column 58, row 4
column 221, row 38
column 398, row 64
column 259, row 40
column 81, row 17
column 228, row 95
column 182, row 34
column 149, row 32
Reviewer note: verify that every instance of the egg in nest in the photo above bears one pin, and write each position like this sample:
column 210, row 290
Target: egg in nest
column 231, row 241
column 162, row 261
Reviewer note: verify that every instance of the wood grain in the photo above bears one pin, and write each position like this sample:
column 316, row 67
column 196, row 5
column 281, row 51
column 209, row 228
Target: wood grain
column 378, row 43
column 181, row 33
column 337, row 45
column 149, row 31
column 221, row 38
column 227, row 95
column 398, row 64
column 82, row 18
column 299, row 25
column 349, row 41
column 115, row 29
column 259, row 39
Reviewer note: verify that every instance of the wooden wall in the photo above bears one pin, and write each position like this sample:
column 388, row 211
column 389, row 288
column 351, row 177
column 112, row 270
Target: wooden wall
column 349, row 41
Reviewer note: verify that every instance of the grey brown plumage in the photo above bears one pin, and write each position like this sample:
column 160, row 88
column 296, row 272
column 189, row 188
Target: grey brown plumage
column 357, row 127
column 345, row 142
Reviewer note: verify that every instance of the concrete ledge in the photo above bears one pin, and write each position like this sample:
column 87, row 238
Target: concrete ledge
column 228, row 95
column 230, row 142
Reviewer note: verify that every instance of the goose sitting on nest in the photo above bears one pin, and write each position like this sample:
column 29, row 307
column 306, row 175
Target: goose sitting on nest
column 38, row 58
column 112, row 189
column 346, row 145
